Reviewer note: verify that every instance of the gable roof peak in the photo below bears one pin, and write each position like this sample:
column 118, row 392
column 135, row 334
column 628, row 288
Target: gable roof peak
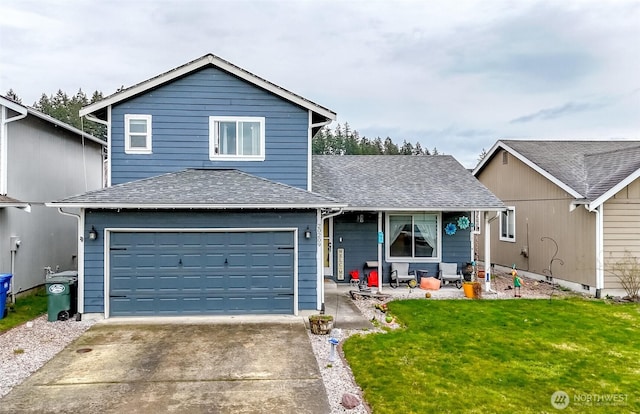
column 205, row 61
column 586, row 169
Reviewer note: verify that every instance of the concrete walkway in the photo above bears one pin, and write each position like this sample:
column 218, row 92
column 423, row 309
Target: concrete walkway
column 339, row 304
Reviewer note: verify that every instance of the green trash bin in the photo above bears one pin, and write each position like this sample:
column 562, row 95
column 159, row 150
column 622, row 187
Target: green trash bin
column 62, row 295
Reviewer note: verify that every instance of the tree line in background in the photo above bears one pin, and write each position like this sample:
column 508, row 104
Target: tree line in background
column 342, row 140
column 64, row 108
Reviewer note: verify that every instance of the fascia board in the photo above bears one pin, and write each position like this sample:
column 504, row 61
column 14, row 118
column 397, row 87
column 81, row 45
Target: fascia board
column 429, row 209
column 531, row 164
column 197, row 64
column 194, row 206
column 14, row 106
column 614, row 190
column 487, row 157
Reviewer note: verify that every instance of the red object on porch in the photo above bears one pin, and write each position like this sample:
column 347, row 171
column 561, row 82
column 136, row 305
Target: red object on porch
column 372, row 279
column 355, row 275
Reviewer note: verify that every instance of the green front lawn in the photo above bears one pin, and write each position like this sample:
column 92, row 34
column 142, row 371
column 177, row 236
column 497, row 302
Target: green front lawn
column 492, row 356
column 26, row 308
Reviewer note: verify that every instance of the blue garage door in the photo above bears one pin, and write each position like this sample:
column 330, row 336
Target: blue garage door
column 208, row 273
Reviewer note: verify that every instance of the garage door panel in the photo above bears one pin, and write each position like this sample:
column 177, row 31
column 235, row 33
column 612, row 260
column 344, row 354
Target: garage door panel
column 201, row 273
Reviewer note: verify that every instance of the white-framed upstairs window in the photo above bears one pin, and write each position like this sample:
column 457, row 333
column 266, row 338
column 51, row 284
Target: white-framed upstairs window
column 137, row 134
column 236, row 138
column 413, row 237
column 508, row 225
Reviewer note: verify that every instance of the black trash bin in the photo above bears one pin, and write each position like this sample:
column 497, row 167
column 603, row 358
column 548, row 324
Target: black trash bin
column 62, row 295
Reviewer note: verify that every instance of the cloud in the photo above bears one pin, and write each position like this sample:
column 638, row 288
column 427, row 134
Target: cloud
column 570, row 108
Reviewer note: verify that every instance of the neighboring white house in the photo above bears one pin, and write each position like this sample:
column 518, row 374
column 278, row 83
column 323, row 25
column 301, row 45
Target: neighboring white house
column 41, row 159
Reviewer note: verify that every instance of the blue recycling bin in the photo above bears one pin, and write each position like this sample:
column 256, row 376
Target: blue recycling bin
column 5, row 283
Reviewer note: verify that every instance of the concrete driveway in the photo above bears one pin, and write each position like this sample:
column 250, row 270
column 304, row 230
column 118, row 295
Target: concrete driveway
column 179, row 367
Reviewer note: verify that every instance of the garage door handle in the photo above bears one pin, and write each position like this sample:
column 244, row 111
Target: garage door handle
column 285, row 248
column 284, row 294
column 117, row 296
column 118, row 248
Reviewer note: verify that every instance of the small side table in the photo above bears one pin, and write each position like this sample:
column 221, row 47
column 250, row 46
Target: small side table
column 421, row 273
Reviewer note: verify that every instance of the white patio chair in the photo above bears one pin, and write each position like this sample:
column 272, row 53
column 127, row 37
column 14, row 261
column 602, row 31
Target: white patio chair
column 400, row 273
column 448, row 272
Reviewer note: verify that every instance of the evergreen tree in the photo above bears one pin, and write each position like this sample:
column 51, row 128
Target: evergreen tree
column 483, row 154
column 343, row 140
column 390, row 148
column 65, row 109
column 13, row 96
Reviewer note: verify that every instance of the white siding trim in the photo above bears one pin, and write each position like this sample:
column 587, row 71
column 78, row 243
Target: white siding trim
column 107, row 244
column 614, row 190
column 501, row 145
column 309, row 153
column 319, row 260
column 207, row 60
column 114, row 206
column 80, row 231
column 106, row 272
column 109, row 145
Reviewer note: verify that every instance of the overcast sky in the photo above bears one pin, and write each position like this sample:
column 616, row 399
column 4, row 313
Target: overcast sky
column 456, row 75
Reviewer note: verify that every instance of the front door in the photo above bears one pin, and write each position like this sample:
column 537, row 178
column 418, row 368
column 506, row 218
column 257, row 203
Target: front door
column 327, row 246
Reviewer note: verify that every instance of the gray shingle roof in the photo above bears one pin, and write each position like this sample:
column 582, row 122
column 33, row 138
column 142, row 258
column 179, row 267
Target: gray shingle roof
column 201, row 188
column 590, row 168
column 400, row 182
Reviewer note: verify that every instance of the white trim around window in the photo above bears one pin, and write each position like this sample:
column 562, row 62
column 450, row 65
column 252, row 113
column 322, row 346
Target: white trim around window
column 137, row 134
column 413, row 237
column 508, row 225
column 236, row 138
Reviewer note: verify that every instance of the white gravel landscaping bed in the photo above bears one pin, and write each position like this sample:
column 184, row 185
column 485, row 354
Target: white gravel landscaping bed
column 25, row 348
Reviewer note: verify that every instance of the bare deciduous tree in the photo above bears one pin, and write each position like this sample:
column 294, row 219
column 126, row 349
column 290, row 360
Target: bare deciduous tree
column 627, row 270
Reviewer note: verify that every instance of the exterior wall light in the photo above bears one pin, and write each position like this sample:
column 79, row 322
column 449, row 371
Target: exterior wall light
column 93, row 233
column 307, row 233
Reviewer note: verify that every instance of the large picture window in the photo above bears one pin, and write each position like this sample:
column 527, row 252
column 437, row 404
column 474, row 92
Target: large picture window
column 413, row 236
column 137, row 132
column 508, row 225
column 236, row 138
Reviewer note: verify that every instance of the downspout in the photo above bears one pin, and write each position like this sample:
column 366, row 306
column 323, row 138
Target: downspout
column 599, row 248
column 487, row 250
column 80, row 218
column 106, row 123
column 4, row 145
column 321, row 218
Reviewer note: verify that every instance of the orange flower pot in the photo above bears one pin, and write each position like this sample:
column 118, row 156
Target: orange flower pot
column 468, row 290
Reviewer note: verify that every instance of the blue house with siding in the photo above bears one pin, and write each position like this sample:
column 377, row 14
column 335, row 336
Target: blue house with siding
column 215, row 205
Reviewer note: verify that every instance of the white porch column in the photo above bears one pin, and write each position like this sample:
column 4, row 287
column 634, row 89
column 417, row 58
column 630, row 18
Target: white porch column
column 379, row 252
column 487, row 252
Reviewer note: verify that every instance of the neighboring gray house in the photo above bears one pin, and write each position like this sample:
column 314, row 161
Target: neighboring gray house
column 41, row 159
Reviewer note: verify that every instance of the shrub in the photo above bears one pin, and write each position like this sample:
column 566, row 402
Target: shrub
column 627, row 270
